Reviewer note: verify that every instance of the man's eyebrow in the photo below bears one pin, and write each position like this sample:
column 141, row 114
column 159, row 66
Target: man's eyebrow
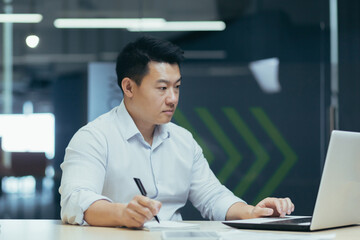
column 167, row 81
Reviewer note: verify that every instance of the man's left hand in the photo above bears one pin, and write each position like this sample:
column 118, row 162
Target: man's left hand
column 274, row 207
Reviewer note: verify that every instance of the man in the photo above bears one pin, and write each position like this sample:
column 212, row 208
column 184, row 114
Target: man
column 137, row 139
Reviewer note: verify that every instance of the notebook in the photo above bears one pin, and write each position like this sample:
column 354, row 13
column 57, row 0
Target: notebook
column 169, row 225
column 338, row 198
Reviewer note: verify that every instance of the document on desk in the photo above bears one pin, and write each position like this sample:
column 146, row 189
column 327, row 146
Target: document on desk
column 169, row 225
column 250, row 235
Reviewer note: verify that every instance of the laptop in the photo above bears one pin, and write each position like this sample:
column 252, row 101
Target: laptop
column 337, row 202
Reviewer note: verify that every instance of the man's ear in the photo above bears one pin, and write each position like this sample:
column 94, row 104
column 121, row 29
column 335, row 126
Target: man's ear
column 128, row 87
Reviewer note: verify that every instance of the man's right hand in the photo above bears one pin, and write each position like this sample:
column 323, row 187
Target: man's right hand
column 133, row 215
column 138, row 211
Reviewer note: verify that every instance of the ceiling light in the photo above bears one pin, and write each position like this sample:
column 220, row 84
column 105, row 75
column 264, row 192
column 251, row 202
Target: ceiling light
column 108, row 22
column 183, row 26
column 32, row 41
column 140, row 24
column 20, row 18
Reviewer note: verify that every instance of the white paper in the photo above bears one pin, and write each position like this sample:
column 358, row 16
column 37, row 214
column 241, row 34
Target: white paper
column 168, row 225
column 249, row 235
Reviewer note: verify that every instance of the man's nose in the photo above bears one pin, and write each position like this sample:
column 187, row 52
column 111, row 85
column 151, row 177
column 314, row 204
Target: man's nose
column 172, row 96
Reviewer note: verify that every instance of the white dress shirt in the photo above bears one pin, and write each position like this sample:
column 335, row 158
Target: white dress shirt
column 104, row 156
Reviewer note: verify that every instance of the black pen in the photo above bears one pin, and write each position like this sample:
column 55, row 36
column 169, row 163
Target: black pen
column 143, row 192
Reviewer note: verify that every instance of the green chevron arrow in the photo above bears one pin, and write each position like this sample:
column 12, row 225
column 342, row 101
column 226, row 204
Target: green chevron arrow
column 261, row 156
column 180, row 118
column 225, row 143
column 290, row 157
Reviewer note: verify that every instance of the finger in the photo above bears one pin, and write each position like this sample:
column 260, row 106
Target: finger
column 261, row 203
column 134, row 219
column 278, row 206
column 272, row 203
column 143, row 200
column 132, row 222
column 284, row 207
column 143, row 213
column 262, row 212
column 156, row 205
column 153, row 205
column 290, row 205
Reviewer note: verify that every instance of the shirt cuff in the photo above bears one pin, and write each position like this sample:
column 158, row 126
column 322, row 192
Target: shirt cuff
column 80, row 201
column 223, row 205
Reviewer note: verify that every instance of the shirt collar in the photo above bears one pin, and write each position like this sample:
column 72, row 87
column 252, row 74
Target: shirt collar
column 127, row 124
column 129, row 128
column 162, row 131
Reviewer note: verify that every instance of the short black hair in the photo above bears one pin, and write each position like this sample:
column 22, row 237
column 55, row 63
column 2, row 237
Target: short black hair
column 132, row 62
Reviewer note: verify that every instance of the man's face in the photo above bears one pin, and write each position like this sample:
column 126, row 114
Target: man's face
column 156, row 99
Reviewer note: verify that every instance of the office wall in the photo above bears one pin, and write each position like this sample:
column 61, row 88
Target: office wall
column 70, row 95
column 349, row 65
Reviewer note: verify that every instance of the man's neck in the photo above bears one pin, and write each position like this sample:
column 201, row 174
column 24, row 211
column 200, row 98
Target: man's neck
column 146, row 131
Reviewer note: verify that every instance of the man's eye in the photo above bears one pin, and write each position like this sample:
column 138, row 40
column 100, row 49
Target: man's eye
column 162, row 88
column 178, row 86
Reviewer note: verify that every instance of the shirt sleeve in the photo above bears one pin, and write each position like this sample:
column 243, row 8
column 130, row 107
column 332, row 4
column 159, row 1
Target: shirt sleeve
column 207, row 194
column 83, row 174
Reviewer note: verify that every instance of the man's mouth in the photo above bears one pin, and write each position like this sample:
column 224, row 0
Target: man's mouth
column 169, row 111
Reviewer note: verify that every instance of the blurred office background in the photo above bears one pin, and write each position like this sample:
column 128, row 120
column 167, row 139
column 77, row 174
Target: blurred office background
column 264, row 83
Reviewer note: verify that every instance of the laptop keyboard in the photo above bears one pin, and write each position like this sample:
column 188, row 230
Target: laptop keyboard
column 293, row 221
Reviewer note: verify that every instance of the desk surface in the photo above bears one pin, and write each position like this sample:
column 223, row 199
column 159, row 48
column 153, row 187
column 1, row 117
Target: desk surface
column 55, row 230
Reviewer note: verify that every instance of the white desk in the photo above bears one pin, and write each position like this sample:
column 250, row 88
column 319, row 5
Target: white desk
column 55, row 230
